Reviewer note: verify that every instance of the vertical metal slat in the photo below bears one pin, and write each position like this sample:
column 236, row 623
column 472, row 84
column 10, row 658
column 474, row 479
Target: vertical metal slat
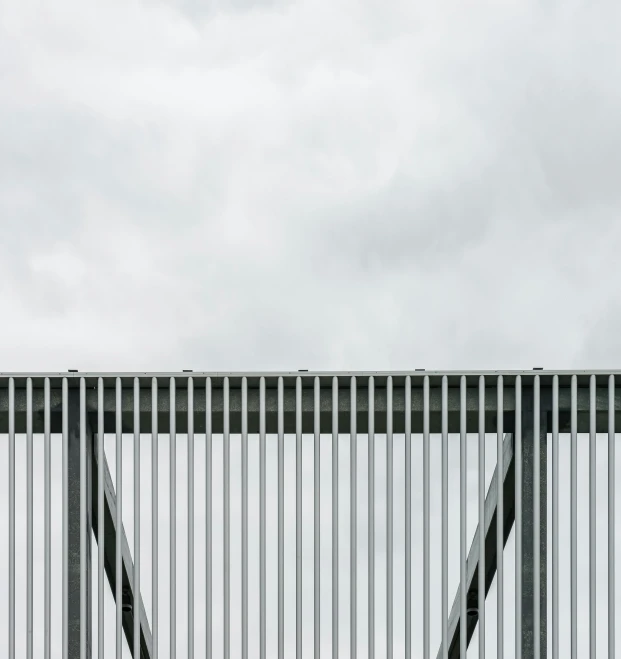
column 119, row 522
column 592, row 519
column 100, row 518
column 29, row 511
column 12, row 523
column 463, row 549
column 298, row 517
column 244, row 475
column 371, row 493
column 389, row 520
column 227, row 522
column 317, row 502
column 48, row 518
column 555, row 548
column 208, row 521
column 173, row 518
column 574, row 517
column 611, row 516
column 137, row 598
column 83, row 519
column 281, row 521
column 445, row 517
column 353, row 515
column 426, row 518
column 335, row 517
column 481, row 568
column 190, row 518
column 154, row 509
column 262, row 458
column 537, row 518
column 518, row 516
column 408, row 517
column 500, row 516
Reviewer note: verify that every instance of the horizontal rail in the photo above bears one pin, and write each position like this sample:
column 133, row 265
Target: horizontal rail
column 307, row 398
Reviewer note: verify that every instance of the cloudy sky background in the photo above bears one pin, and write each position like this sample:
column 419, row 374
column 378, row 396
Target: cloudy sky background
column 284, row 184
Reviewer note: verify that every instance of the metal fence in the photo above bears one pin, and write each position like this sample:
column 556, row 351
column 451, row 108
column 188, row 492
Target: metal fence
column 526, row 414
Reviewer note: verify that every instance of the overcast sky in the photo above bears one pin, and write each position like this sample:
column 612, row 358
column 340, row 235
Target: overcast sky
column 322, row 184
column 309, row 184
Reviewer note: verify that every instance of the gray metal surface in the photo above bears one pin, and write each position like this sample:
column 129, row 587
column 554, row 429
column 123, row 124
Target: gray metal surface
column 444, row 482
column 482, row 564
column 371, row 514
column 190, row 518
column 408, row 516
column 518, row 407
column 353, row 579
column 173, row 517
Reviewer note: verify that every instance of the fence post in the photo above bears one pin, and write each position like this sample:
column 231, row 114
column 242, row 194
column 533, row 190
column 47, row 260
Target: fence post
column 527, row 613
column 73, row 549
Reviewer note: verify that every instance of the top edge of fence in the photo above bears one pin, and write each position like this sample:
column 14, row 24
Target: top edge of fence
column 326, row 377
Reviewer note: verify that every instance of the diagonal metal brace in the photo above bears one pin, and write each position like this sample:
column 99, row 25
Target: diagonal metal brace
column 472, row 571
column 110, row 531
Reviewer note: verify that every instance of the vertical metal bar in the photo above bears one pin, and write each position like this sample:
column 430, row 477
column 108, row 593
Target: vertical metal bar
column 137, row 598
column 500, row 517
column 518, row 516
column 119, row 521
column 335, row 517
column 574, row 517
column 317, row 529
column 244, row 566
column 262, row 591
column 611, row 516
column 173, row 519
column 592, row 556
column 353, row 598
column 100, row 518
column 208, row 522
column 445, row 517
column 371, row 493
column 481, row 569
column 29, row 517
column 536, row 519
column 227, row 522
column 48, row 518
column 83, row 525
column 298, row 518
column 190, row 518
column 65, row 495
column 535, row 412
column 426, row 516
column 408, row 517
column 281, row 521
column 389, row 520
column 555, row 552
column 463, row 548
column 154, row 511
column 12, row 522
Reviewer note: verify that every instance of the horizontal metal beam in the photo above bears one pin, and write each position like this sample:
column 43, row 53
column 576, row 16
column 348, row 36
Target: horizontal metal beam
column 344, row 416
column 110, row 531
column 253, row 377
column 472, row 573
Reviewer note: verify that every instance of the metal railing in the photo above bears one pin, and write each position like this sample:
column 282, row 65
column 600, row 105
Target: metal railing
column 521, row 409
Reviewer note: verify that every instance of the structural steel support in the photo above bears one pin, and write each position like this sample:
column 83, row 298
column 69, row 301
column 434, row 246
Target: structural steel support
column 529, row 521
column 73, row 545
column 289, row 408
column 491, row 521
column 110, row 531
